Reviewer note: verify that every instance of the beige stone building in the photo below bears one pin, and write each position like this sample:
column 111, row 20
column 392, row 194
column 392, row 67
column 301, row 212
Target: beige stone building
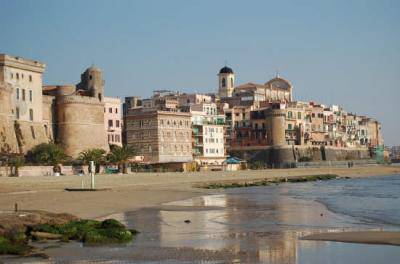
column 78, row 113
column 22, row 104
column 159, row 136
column 30, row 113
column 113, row 120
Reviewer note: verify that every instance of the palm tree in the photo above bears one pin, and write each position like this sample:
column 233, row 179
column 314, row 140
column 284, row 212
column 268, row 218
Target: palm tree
column 120, row 156
column 95, row 154
column 48, row 154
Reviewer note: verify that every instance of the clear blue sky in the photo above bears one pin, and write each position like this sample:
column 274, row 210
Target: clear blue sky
column 342, row 52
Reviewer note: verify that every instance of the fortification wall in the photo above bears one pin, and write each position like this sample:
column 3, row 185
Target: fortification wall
column 80, row 124
column 286, row 156
column 8, row 141
column 30, row 134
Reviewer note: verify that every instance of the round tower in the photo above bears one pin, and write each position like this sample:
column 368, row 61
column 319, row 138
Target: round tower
column 92, row 81
column 226, row 82
column 276, row 126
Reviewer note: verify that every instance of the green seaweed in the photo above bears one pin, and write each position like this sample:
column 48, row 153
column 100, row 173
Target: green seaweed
column 89, row 231
column 266, row 182
column 13, row 247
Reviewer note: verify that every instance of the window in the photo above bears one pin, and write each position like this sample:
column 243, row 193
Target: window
column 104, row 109
column 110, row 123
column 30, row 78
column 298, row 115
column 11, row 76
column 30, row 95
column 31, row 114
column 17, row 76
column 110, row 110
column 112, row 138
column 17, row 112
column 290, row 114
column 116, row 110
column 17, row 93
column 223, row 82
column 23, row 94
column 90, row 77
column 290, row 126
column 117, row 123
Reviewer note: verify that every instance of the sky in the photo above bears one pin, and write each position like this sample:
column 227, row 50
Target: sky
column 333, row 52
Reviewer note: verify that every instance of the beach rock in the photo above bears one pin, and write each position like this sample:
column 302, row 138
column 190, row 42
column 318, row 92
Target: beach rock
column 43, row 235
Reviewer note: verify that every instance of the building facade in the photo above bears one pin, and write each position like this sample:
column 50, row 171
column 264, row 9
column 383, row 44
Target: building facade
column 159, row 136
column 208, row 128
column 113, row 120
column 31, row 114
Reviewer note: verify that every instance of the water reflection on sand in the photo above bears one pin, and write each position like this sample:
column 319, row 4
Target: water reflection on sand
column 248, row 225
column 246, row 229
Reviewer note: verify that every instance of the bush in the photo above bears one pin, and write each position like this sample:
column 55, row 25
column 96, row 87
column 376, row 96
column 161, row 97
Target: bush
column 304, row 159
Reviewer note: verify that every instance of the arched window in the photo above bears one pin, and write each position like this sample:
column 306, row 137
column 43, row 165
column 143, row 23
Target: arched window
column 223, row 82
column 231, row 82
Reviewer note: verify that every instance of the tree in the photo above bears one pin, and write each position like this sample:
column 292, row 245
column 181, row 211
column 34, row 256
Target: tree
column 48, row 154
column 120, row 156
column 96, row 154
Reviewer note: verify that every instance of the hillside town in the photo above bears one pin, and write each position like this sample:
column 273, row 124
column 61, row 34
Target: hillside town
column 236, row 125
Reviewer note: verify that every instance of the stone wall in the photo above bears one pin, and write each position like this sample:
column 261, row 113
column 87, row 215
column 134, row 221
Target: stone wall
column 35, row 171
column 80, row 124
column 285, row 156
column 8, row 141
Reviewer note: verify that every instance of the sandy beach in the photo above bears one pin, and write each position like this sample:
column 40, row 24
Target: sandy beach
column 140, row 190
column 365, row 237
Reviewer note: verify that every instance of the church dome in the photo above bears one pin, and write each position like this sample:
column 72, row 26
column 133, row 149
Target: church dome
column 226, row 70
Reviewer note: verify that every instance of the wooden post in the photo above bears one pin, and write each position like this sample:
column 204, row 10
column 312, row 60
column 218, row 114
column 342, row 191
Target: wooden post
column 92, row 171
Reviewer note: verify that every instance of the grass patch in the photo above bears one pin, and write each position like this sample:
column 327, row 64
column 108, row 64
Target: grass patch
column 266, row 182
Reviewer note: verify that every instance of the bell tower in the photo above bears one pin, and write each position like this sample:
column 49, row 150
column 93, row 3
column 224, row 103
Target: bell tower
column 226, row 82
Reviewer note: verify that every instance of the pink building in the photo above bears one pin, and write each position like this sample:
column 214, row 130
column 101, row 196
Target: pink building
column 113, row 120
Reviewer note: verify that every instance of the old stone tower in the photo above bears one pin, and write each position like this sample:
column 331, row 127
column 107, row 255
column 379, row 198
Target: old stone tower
column 79, row 113
column 92, row 82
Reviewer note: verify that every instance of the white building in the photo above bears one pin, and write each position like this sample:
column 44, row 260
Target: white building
column 208, row 135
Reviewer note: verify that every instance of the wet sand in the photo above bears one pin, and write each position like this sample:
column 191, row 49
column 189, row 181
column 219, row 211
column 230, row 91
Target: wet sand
column 140, row 190
column 223, row 227
column 365, row 237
